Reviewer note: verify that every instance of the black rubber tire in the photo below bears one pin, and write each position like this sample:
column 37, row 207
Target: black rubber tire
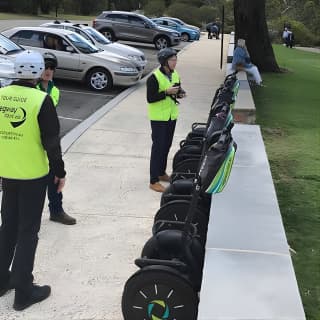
column 186, row 152
column 109, row 34
column 99, row 79
column 185, row 37
column 170, row 245
column 159, row 291
column 187, row 166
column 177, row 211
column 161, row 42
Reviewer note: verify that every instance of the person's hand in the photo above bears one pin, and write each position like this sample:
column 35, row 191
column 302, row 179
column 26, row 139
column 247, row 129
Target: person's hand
column 60, row 183
column 172, row 90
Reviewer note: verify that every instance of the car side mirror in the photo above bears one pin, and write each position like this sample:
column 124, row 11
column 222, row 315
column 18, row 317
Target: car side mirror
column 70, row 49
column 147, row 25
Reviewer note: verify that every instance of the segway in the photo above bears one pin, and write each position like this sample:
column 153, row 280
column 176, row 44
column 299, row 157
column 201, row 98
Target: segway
column 188, row 156
column 159, row 292
column 198, row 130
column 167, row 284
column 214, row 173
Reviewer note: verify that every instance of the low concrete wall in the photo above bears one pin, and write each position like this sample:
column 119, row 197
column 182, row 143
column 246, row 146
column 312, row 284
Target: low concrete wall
column 248, row 272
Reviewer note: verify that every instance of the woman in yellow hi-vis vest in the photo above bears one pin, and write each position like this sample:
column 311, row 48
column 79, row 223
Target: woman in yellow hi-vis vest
column 163, row 89
column 29, row 143
column 46, row 84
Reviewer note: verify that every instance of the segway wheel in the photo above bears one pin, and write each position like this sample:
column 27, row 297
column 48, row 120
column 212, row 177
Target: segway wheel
column 177, row 211
column 187, row 166
column 159, row 293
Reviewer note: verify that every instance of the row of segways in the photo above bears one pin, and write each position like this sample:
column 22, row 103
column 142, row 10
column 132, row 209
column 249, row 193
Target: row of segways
column 171, row 262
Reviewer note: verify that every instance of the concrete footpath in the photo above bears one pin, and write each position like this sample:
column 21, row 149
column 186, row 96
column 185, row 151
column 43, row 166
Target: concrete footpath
column 107, row 191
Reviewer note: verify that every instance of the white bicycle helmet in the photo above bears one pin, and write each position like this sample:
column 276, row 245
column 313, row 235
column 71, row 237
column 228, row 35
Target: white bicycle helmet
column 29, row 65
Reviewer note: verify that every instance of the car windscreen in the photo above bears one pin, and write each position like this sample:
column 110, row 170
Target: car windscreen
column 178, row 21
column 8, row 47
column 152, row 23
column 97, row 36
column 82, row 44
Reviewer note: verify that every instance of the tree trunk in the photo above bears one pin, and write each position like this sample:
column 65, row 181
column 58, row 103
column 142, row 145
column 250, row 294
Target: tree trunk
column 250, row 24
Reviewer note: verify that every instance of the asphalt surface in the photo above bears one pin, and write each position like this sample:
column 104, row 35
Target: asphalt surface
column 77, row 102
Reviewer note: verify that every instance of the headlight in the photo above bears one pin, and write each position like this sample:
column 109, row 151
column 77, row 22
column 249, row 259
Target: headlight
column 128, row 69
column 133, row 57
column 175, row 34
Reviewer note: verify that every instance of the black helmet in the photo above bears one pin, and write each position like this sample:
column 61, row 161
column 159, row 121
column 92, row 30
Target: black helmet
column 50, row 60
column 165, row 54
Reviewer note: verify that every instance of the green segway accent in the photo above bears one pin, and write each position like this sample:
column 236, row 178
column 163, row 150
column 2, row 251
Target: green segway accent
column 222, row 176
column 229, row 120
column 161, row 303
column 235, row 89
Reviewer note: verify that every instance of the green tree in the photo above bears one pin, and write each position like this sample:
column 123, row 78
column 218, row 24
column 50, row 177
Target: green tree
column 155, row 8
column 251, row 25
column 185, row 12
column 208, row 13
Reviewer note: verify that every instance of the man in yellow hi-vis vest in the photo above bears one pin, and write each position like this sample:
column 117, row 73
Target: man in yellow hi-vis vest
column 46, row 84
column 163, row 89
column 29, row 142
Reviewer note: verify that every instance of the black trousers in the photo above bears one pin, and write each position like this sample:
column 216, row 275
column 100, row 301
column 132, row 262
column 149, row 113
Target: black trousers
column 162, row 136
column 55, row 198
column 21, row 211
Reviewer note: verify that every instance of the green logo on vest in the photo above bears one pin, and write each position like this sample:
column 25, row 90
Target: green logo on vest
column 21, row 115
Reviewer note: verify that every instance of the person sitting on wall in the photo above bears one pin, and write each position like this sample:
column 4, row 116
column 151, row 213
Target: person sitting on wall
column 241, row 62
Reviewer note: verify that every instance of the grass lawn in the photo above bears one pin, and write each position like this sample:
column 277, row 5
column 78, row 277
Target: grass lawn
column 288, row 111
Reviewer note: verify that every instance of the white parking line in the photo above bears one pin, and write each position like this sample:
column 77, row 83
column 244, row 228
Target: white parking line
column 89, row 93
column 73, row 119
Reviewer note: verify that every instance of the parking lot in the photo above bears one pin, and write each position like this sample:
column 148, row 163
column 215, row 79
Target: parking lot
column 77, row 102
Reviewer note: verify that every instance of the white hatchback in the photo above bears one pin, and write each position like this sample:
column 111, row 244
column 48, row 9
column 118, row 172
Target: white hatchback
column 77, row 58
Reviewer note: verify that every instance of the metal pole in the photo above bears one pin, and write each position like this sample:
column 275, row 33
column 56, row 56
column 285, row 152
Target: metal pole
column 222, row 36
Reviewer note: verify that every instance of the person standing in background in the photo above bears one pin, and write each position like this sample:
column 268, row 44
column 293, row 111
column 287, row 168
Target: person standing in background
column 46, row 84
column 163, row 89
column 285, row 35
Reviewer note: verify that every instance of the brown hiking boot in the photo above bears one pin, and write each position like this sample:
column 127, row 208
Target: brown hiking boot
column 158, row 187
column 164, row 178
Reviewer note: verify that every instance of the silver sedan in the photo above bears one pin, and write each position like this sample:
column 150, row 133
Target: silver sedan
column 100, row 41
column 77, row 58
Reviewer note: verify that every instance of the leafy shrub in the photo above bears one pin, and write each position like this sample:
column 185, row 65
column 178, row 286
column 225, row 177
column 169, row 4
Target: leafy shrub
column 187, row 13
column 154, row 8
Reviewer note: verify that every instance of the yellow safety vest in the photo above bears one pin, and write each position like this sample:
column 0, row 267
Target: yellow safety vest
column 22, row 155
column 165, row 109
column 53, row 91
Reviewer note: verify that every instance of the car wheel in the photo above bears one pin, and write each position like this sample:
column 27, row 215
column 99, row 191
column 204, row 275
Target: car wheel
column 109, row 34
column 99, row 79
column 185, row 37
column 161, row 43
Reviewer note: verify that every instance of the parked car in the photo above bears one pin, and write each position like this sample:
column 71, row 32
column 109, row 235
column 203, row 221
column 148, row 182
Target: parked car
column 8, row 52
column 100, row 41
column 187, row 33
column 77, row 58
column 122, row 25
column 182, row 23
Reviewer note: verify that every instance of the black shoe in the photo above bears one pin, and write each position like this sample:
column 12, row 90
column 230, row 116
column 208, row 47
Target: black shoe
column 63, row 218
column 25, row 299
